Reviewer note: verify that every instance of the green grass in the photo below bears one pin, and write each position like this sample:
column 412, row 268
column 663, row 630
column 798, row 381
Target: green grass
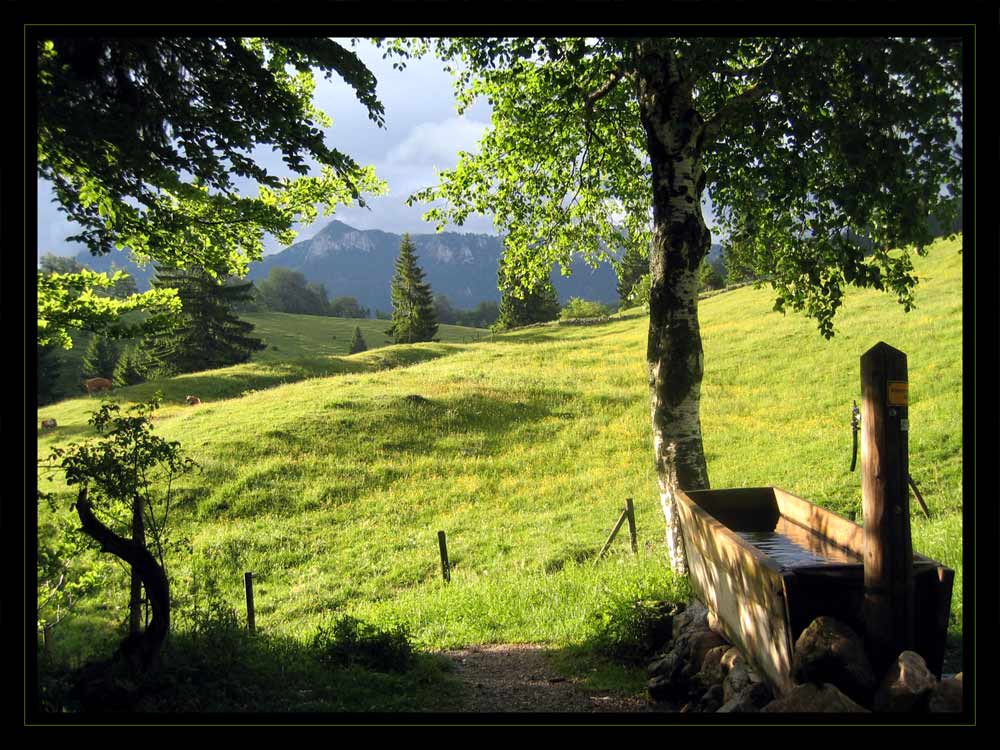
column 293, row 344
column 328, row 483
column 289, row 336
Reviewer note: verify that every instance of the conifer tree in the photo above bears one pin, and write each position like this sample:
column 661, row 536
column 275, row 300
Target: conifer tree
column 100, row 358
column 538, row 305
column 358, row 342
column 135, row 365
column 210, row 334
column 413, row 317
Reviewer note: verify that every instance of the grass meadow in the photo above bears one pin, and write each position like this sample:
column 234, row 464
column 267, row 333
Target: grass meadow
column 326, row 479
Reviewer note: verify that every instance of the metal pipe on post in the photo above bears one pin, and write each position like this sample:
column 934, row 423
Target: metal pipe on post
column 889, row 606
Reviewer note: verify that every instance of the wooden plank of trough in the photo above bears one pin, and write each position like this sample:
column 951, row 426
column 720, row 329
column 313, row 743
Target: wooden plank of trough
column 837, row 529
column 743, row 587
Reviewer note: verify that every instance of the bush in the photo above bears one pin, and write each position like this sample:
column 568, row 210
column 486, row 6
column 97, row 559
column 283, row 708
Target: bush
column 632, row 630
column 351, row 642
column 583, row 308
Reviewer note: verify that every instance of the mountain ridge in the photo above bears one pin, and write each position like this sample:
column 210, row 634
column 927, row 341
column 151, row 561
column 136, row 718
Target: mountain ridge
column 360, row 263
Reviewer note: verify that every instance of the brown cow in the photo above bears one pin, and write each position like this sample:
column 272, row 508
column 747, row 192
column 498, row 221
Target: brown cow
column 48, row 424
column 192, row 400
column 97, row 384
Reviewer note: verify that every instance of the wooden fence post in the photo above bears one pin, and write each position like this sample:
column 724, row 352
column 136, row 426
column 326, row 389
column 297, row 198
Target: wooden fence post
column 443, row 547
column 889, row 592
column 248, row 585
column 630, row 509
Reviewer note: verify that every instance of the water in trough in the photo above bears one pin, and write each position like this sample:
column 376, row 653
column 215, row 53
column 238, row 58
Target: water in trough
column 791, row 545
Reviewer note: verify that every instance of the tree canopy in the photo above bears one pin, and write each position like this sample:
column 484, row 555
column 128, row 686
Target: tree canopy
column 146, row 139
column 827, row 161
column 807, row 143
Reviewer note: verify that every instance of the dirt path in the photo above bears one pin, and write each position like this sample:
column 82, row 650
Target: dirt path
column 521, row 678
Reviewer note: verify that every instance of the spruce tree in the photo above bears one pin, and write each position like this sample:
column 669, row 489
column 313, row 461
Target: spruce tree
column 210, row 335
column 538, row 305
column 358, row 342
column 99, row 358
column 135, row 365
column 413, row 317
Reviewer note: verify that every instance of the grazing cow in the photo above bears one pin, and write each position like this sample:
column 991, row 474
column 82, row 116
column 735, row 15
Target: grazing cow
column 192, row 400
column 97, row 384
column 48, row 424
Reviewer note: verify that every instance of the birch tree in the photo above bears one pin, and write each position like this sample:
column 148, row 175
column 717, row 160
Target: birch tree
column 826, row 161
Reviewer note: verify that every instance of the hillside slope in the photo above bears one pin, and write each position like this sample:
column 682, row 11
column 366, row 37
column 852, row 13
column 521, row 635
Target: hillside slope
column 332, row 489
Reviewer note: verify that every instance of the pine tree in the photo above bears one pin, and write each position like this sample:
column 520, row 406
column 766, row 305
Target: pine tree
column 135, row 365
column 538, row 305
column 210, row 335
column 99, row 358
column 358, row 342
column 413, row 317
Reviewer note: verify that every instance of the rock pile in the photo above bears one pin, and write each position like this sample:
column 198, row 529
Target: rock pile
column 701, row 671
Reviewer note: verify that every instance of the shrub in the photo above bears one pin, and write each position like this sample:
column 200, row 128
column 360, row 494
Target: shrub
column 583, row 308
column 351, row 642
column 632, row 630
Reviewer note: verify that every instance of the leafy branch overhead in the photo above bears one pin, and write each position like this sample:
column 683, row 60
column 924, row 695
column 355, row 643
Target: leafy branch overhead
column 820, row 155
column 145, row 141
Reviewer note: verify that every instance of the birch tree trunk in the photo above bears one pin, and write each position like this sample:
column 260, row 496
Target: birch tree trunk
column 680, row 241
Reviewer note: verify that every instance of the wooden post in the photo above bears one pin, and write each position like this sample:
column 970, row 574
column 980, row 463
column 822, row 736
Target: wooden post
column 920, row 498
column 889, row 591
column 445, row 568
column 248, row 585
column 630, row 509
column 613, row 534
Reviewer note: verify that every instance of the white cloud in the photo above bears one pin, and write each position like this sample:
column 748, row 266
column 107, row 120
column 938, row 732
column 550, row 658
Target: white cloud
column 437, row 144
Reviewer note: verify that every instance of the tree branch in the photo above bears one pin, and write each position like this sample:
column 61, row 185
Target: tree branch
column 144, row 648
column 606, row 88
column 765, row 85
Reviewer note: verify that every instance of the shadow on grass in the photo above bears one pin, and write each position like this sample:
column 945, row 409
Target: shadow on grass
column 232, row 382
column 235, row 671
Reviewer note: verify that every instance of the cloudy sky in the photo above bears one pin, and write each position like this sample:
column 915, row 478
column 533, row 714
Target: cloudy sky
column 422, row 133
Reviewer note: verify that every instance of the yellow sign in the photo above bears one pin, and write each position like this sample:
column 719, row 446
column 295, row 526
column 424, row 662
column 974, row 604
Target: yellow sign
column 899, row 393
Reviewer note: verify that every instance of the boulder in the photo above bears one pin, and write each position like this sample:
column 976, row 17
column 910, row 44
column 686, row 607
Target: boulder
column 712, row 672
column 946, row 697
column 711, row 699
column 701, row 643
column 813, row 698
column 906, row 685
column 732, row 658
column 668, row 688
column 829, row 651
column 736, row 681
column 694, row 617
column 666, row 665
column 750, row 700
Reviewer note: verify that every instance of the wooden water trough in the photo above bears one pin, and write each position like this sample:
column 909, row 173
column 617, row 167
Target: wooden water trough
column 767, row 563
